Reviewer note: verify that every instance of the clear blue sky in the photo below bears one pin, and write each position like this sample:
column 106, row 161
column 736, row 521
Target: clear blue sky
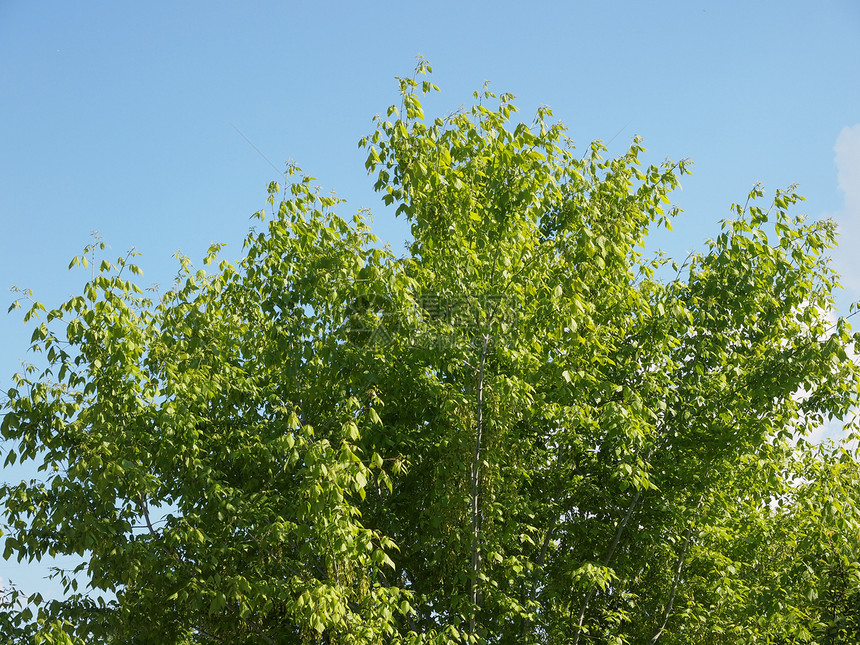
column 122, row 118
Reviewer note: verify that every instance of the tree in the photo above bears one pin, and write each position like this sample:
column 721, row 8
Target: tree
column 523, row 430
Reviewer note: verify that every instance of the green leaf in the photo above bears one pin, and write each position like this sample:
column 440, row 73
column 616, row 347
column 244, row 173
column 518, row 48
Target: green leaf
column 205, row 453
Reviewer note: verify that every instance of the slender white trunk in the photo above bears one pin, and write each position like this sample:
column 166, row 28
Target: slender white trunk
column 677, row 579
column 619, row 529
column 475, row 490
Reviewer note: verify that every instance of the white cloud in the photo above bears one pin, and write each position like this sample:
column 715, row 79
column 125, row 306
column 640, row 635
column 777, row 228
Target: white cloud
column 832, row 429
column 847, row 256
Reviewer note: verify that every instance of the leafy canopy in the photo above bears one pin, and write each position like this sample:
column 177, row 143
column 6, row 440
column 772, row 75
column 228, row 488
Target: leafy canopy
column 524, row 430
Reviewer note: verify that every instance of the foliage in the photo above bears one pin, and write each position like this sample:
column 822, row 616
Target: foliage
column 524, row 430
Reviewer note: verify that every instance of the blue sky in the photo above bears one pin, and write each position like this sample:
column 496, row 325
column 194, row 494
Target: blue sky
column 122, row 118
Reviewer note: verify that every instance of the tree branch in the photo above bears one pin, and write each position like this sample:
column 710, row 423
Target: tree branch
column 475, row 481
column 676, row 580
column 622, row 524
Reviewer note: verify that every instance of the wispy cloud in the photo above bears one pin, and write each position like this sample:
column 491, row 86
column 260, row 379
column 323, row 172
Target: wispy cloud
column 832, row 429
column 847, row 256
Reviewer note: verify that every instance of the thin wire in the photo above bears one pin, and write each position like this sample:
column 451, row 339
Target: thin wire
column 255, row 148
column 619, row 132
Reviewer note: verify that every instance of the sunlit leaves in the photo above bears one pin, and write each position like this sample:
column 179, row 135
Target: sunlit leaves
column 524, row 430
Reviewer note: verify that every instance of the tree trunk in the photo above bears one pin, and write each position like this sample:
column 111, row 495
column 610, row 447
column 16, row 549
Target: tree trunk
column 475, row 489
